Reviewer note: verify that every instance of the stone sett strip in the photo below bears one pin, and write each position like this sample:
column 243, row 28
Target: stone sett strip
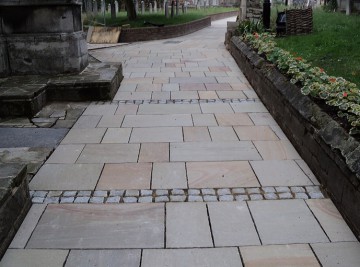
column 178, row 195
column 179, row 101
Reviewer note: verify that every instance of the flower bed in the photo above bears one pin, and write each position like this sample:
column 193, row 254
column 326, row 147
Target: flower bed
column 331, row 153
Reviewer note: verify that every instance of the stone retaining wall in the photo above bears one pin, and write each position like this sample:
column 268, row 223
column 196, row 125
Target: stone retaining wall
column 157, row 33
column 329, row 151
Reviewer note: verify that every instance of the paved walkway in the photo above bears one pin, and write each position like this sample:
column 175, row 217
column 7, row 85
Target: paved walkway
column 216, row 181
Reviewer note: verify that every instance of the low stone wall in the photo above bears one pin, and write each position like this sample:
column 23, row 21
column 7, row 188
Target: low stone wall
column 157, row 33
column 329, row 151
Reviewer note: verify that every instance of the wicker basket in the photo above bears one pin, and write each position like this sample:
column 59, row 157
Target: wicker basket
column 299, row 21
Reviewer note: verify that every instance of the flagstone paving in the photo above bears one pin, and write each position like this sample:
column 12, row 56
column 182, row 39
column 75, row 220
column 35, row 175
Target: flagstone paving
column 185, row 167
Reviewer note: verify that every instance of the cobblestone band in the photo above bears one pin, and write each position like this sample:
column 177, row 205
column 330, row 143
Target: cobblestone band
column 180, row 101
column 177, row 195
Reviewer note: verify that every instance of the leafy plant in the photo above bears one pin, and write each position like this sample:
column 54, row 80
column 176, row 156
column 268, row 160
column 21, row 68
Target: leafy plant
column 249, row 26
column 335, row 91
column 331, row 6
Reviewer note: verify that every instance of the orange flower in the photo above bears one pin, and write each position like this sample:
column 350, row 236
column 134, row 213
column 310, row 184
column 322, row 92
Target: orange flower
column 332, row 80
column 299, row 58
column 345, row 94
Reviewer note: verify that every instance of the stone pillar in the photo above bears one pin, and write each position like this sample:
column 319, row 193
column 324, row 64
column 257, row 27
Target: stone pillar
column 42, row 37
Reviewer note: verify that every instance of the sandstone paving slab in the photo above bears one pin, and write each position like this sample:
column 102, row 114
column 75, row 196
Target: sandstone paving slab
column 276, row 150
column 213, row 151
column 79, row 226
column 218, row 86
column 255, row 133
column 285, row 222
column 292, row 255
column 168, row 109
column 34, row 258
column 132, row 96
column 233, row 119
column 66, row 177
column 154, row 152
column 191, row 80
column 106, row 109
column 28, row 225
column 231, row 94
column 84, row 136
column 263, row 119
column 196, row 134
column 250, row 94
column 160, row 95
column 338, row 254
column 125, row 176
column 94, row 258
column 187, row 225
column 208, row 95
column 124, row 109
column 110, row 121
column 109, row 153
column 305, row 168
column 248, row 107
column 167, row 175
column 86, row 122
column 331, row 220
column 220, row 174
column 156, row 134
column 232, row 225
column 204, row 120
column 220, row 133
column 66, row 154
column 279, row 173
column 216, row 108
column 116, row 135
column 184, row 95
column 203, row 257
column 192, row 87
column 157, row 120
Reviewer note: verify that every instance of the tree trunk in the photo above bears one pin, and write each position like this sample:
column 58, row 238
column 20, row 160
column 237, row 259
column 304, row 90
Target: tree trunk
column 130, row 8
column 113, row 11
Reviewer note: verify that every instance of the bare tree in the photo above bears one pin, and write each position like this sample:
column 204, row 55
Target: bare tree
column 130, row 7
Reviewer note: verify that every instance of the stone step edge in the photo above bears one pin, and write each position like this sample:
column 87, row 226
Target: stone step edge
column 176, row 195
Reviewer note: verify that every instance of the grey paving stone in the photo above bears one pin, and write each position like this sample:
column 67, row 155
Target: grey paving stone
column 161, row 192
column 311, row 189
column 227, row 232
column 84, row 193
column 285, row 196
column 69, row 193
column 241, row 197
column 114, row 193
column 204, row 257
column 187, row 225
column 301, row 196
column 100, row 193
column 132, row 193
column 67, row 200
column 34, row 258
column 93, row 258
column 82, row 200
column 316, row 195
column 147, row 199
column 238, row 190
column 208, row 191
column 209, row 198
column 256, row 197
column 54, row 193
column 285, row 222
column 223, row 191
column 40, row 194
column 268, row 189
column 177, row 198
column 253, row 190
column 162, row 199
column 192, row 198
column 145, row 193
column 177, row 192
column 97, row 200
column 130, row 199
column 282, row 189
column 113, row 199
column 37, row 200
column 297, row 189
column 270, row 196
column 194, row 192
column 51, row 200
column 226, row 198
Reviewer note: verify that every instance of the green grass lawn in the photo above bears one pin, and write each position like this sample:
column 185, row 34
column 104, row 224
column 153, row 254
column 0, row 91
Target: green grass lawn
column 334, row 44
column 159, row 18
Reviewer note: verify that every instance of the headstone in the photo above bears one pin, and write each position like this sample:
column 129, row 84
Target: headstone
column 150, row 8
column 142, row 7
column 95, row 8
column 136, row 6
column 102, row 6
column 116, row 7
column 108, row 8
column 155, row 6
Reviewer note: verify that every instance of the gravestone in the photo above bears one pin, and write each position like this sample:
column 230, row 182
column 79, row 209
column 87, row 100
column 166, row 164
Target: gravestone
column 116, row 7
column 150, row 8
column 102, row 6
column 155, row 7
column 41, row 37
column 166, row 7
column 95, row 8
column 142, row 7
column 136, row 6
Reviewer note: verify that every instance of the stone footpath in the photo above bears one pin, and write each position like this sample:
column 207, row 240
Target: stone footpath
column 185, row 167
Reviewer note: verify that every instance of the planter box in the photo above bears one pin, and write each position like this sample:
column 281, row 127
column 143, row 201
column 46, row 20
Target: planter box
column 331, row 153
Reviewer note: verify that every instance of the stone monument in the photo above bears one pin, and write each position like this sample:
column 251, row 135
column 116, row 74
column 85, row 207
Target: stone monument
column 41, row 37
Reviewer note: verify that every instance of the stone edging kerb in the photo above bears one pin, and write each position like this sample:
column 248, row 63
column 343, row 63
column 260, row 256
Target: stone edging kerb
column 129, row 35
column 331, row 153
